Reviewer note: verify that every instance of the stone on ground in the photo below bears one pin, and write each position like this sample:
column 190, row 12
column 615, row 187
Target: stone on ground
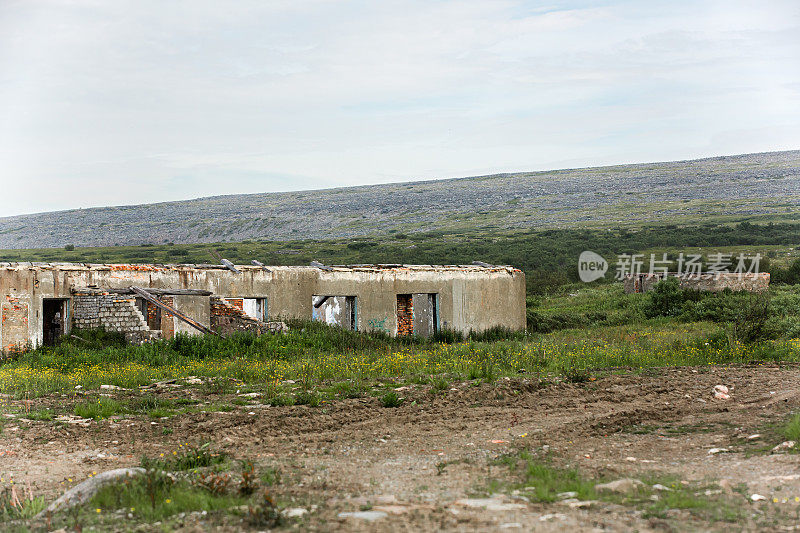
column 369, row 516
column 490, row 504
column 83, row 492
column 620, row 485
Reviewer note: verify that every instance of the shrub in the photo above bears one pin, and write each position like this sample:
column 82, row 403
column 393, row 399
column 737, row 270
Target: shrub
column 666, row 299
column 309, row 398
column 214, row 482
column 573, row 371
column 751, row 322
column 264, row 513
column 391, row 399
column 248, row 482
column 790, row 275
column 360, row 245
column 789, row 327
column 187, row 457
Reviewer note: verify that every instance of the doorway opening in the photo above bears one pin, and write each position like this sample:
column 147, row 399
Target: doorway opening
column 55, row 319
column 418, row 314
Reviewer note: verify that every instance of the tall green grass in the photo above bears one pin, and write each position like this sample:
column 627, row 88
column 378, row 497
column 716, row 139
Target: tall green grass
column 314, row 354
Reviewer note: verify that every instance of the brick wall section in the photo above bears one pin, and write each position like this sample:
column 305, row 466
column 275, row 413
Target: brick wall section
column 111, row 312
column 153, row 316
column 238, row 303
column 227, row 318
column 405, row 314
column 167, row 319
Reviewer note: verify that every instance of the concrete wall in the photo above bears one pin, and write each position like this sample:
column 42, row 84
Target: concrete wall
column 469, row 298
column 703, row 282
column 195, row 307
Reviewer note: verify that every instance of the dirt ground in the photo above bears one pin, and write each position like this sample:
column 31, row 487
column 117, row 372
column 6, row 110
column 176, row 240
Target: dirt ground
column 417, row 462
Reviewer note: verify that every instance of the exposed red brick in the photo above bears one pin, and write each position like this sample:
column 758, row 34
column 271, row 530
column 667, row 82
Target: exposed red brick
column 405, row 314
column 236, row 302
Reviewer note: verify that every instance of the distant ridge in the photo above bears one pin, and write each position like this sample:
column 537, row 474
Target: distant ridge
column 757, row 185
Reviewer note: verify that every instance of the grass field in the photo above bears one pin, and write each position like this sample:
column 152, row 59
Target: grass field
column 572, row 335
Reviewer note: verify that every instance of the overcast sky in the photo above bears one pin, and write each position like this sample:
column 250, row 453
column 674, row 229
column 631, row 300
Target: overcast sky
column 113, row 102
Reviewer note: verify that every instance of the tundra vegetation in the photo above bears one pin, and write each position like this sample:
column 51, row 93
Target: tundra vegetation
column 763, row 187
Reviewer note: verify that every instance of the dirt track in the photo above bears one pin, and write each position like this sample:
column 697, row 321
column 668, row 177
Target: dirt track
column 418, row 459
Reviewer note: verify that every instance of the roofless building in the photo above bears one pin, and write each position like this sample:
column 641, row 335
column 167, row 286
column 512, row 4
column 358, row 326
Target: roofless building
column 39, row 302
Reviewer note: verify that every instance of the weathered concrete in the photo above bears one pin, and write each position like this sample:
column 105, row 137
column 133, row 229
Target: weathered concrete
column 467, row 297
column 702, row 282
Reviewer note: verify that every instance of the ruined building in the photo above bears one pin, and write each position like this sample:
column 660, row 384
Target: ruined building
column 757, row 282
column 39, row 302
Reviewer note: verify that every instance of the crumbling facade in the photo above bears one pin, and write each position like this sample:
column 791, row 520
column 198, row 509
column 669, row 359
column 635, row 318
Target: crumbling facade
column 95, row 308
column 701, row 282
column 41, row 301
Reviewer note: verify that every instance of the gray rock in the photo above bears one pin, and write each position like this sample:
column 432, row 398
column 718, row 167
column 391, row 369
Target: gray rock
column 83, row 492
column 787, row 445
column 294, row 512
column 581, row 504
column 490, row 504
column 369, row 516
column 621, row 486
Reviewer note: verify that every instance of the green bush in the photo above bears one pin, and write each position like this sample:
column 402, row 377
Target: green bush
column 788, row 327
column 790, row 275
column 391, row 399
column 752, row 321
column 309, row 398
column 186, row 457
column 666, row 299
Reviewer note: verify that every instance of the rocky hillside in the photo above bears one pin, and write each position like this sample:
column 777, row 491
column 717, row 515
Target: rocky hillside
column 762, row 186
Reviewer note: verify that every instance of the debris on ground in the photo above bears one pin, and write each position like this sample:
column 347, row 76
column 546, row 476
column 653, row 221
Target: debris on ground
column 721, row 392
column 621, row 486
column 369, row 516
column 786, row 445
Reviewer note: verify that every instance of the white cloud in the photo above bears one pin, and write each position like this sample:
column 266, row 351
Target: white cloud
column 113, row 103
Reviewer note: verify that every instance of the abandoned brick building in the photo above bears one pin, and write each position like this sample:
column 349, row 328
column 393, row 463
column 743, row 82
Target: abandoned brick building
column 41, row 301
column 753, row 282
